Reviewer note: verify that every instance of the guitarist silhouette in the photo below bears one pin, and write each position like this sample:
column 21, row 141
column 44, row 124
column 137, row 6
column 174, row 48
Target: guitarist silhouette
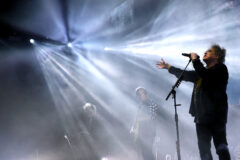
column 144, row 127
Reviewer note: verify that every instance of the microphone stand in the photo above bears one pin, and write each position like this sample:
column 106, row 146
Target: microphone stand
column 173, row 93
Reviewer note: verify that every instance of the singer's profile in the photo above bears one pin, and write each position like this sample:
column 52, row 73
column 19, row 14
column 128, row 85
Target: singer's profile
column 209, row 104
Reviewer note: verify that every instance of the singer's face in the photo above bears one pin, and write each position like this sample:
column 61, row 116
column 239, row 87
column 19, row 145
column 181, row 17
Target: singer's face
column 210, row 55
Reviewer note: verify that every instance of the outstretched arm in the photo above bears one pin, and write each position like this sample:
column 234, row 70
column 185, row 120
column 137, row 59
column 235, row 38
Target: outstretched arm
column 190, row 76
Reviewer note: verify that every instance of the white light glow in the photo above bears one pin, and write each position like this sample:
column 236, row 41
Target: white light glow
column 107, row 49
column 69, row 45
column 32, row 41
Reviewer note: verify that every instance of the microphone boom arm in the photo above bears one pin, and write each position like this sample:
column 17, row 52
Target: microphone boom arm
column 180, row 78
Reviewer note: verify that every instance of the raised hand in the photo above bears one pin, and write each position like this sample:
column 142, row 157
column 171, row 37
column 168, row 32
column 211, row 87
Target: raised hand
column 162, row 64
column 194, row 56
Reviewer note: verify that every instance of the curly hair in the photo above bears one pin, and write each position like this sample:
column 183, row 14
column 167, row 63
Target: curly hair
column 220, row 52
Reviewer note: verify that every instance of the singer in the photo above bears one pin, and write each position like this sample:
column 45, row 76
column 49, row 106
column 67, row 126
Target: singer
column 209, row 105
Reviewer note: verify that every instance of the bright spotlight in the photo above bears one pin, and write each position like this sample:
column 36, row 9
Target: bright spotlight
column 32, row 41
column 69, row 45
column 106, row 49
column 104, row 158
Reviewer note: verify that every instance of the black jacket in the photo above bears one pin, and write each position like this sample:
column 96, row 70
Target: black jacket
column 209, row 99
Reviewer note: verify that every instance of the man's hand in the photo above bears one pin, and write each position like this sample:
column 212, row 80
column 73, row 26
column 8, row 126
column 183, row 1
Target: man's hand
column 162, row 64
column 194, row 56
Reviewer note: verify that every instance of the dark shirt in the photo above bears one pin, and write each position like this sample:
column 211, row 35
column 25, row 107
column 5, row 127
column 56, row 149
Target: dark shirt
column 209, row 99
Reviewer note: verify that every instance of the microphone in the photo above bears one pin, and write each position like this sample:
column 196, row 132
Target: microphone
column 188, row 55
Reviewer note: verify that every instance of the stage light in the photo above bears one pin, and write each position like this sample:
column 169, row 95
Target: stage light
column 106, row 49
column 104, row 158
column 32, row 41
column 69, row 45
